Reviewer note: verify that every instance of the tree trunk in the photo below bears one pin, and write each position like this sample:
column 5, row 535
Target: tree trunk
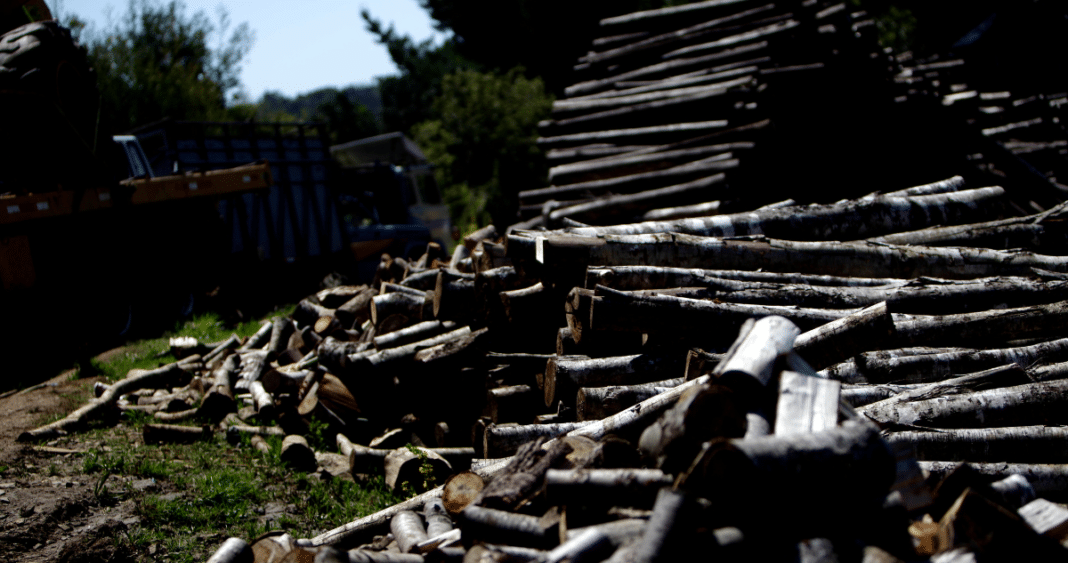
column 398, row 302
column 454, row 299
column 605, row 208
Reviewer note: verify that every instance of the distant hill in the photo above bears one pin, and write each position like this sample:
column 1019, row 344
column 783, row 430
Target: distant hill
column 303, row 106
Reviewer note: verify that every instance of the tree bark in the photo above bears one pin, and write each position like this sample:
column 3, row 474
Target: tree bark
column 408, row 304
column 632, row 278
column 837, row 340
column 973, row 329
column 565, row 375
column 859, row 259
column 258, row 340
column 408, row 530
column 503, row 441
column 414, row 333
column 845, row 470
column 1021, row 444
column 605, row 487
column 298, row 454
column 490, row 525
column 849, row 220
column 878, row 367
column 233, row 550
column 1034, row 403
column 595, row 403
column 105, row 404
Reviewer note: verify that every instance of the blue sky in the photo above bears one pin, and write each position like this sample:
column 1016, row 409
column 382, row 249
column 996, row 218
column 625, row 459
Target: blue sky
column 301, row 45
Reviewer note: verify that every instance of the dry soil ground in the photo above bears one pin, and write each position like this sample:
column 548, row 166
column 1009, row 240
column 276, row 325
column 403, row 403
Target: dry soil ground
column 48, row 509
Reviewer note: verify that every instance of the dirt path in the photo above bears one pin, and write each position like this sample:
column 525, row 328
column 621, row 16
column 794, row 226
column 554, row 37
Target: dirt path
column 48, row 510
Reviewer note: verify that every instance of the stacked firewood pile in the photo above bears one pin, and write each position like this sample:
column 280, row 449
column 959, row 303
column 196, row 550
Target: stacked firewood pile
column 673, row 110
column 1017, row 132
column 658, row 360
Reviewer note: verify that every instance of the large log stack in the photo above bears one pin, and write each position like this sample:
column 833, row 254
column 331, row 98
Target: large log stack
column 662, row 358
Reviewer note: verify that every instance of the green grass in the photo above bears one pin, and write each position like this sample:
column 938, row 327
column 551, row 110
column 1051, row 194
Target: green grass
column 152, row 353
column 211, row 490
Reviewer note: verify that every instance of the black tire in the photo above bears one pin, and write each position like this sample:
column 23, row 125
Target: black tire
column 50, row 98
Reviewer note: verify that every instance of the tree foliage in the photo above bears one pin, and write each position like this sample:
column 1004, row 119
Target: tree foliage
column 407, row 99
column 157, row 62
column 482, row 142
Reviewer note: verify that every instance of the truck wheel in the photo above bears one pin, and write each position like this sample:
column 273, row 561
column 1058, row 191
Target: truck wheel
column 50, row 79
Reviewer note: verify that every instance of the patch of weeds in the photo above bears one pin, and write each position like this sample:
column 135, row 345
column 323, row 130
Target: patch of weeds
column 426, row 469
column 138, row 419
column 317, row 438
column 330, row 503
column 3, row 468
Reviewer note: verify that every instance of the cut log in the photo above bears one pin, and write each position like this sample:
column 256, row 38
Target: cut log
column 356, row 310
column 460, row 490
column 565, row 375
column 421, row 469
column 408, row 530
column 414, row 333
column 604, row 487
column 105, row 405
column 513, row 403
column 454, row 299
column 524, row 475
column 994, row 532
column 233, row 550
column 848, row 220
column 298, row 454
column 701, row 413
column 1021, row 444
column 1049, row 480
column 860, row 259
column 973, row 329
column 437, row 518
column 847, row 469
column 410, row 305
column 262, row 400
column 837, row 340
column 490, row 525
column 673, row 519
column 258, row 340
column 806, row 404
column 630, row 278
column 1046, row 518
column 281, row 330
column 595, row 403
column 591, row 546
column 879, row 367
column 503, row 441
column 1021, row 405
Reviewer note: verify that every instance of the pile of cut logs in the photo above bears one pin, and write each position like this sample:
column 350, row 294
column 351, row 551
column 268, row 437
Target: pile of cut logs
column 680, row 362
column 736, row 382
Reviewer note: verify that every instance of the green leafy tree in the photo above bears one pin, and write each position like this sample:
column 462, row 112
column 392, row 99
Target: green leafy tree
column 407, row 98
column 482, row 141
column 345, row 120
column 158, row 62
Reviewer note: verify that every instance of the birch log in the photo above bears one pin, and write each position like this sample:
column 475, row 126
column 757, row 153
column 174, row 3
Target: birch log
column 1021, row 405
column 565, row 375
column 848, row 220
column 626, row 278
column 1021, row 444
column 100, row 407
column 859, row 259
column 879, row 367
